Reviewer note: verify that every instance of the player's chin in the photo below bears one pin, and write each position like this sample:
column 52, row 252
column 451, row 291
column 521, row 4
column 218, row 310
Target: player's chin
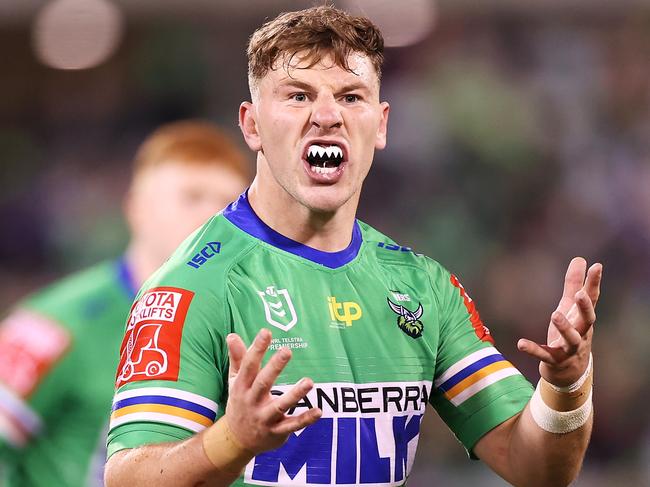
column 326, row 199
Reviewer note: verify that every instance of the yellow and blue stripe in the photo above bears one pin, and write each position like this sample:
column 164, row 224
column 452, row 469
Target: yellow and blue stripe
column 474, row 373
column 163, row 405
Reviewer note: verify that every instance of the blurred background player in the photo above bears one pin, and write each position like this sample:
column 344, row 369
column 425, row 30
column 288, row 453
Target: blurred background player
column 59, row 347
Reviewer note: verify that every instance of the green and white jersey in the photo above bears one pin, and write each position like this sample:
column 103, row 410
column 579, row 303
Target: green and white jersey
column 381, row 330
column 58, row 353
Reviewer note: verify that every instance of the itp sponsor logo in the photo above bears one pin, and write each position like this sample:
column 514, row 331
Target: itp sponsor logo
column 344, row 312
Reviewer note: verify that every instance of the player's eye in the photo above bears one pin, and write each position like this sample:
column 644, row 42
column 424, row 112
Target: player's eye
column 351, row 98
column 299, row 97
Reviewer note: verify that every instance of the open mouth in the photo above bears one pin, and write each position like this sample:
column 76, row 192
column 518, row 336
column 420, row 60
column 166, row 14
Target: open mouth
column 324, row 158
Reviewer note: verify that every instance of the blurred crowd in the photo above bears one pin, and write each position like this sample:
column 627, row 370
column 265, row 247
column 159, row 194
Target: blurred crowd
column 516, row 141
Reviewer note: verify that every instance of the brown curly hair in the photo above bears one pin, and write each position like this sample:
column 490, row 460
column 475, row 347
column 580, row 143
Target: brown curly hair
column 312, row 34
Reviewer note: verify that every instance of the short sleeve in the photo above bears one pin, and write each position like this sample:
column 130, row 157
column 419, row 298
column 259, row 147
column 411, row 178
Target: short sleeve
column 475, row 387
column 170, row 380
column 32, row 347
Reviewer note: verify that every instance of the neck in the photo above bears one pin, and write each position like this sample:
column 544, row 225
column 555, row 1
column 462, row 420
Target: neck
column 141, row 263
column 326, row 231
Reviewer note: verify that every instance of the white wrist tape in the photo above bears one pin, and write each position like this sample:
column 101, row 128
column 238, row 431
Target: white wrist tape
column 558, row 421
column 577, row 384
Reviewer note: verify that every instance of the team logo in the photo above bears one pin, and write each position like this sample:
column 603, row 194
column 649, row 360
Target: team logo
column 278, row 308
column 151, row 346
column 345, row 312
column 407, row 320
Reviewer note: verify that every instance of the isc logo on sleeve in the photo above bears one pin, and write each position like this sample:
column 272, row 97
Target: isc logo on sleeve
column 151, row 346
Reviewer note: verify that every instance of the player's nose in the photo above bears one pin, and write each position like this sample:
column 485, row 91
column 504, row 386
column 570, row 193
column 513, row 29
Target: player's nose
column 326, row 112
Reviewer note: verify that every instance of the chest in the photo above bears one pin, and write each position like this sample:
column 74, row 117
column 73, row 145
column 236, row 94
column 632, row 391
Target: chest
column 363, row 324
column 367, row 336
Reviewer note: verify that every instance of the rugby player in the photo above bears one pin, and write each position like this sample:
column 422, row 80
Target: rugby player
column 366, row 333
column 59, row 347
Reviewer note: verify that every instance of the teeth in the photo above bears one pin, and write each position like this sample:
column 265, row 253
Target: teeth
column 331, row 151
column 323, row 170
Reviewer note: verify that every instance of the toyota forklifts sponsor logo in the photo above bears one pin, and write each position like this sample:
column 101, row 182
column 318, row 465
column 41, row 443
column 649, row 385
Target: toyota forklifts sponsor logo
column 151, row 346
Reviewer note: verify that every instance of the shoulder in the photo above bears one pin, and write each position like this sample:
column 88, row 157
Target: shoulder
column 389, row 252
column 79, row 295
column 204, row 259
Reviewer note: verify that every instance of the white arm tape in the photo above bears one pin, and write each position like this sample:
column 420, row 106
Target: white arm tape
column 558, row 421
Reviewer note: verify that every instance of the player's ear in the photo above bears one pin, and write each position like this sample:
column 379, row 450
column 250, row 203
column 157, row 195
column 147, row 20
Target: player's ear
column 248, row 126
column 380, row 141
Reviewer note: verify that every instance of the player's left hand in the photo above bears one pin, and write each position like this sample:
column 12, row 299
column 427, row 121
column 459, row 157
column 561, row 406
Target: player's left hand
column 566, row 355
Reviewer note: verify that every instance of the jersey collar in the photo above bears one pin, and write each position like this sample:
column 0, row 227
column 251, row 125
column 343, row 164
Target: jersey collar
column 241, row 214
column 125, row 277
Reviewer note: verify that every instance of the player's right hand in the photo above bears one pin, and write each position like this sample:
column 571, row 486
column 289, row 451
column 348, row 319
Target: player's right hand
column 257, row 419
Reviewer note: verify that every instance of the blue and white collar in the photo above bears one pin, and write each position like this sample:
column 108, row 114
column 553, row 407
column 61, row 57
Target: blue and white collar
column 241, row 214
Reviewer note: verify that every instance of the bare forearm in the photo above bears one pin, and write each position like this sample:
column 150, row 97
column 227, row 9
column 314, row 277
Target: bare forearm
column 182, row 464
column 217, row 456
column 545, row 444
column 540, row 458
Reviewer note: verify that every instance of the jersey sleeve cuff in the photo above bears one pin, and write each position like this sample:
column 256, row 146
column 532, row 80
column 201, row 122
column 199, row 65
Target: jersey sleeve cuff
column 492, row 415
column 148, row 435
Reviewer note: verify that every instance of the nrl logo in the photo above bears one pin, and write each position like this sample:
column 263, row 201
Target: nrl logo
column 278, row 308
column 407, row 320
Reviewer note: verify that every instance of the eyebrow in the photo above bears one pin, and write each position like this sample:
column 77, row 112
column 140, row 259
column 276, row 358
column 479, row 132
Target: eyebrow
column 288, row 82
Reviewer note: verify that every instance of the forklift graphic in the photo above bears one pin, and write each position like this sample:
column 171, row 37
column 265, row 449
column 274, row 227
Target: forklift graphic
column 143, row 356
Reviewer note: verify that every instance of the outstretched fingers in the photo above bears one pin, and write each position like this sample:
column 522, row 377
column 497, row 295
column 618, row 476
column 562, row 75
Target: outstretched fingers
column 543, row 353
column 569, row 339
column 295, row 423
column 268, row 375
column 587, row 312
column 592, row 283
column 565, row 345
column 281, row 404
column 252, row 360
column 236, row 352
column 574, row 278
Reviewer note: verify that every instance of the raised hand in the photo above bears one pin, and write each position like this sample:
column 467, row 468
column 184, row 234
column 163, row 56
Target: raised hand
column 256, row 418
column 565, row 356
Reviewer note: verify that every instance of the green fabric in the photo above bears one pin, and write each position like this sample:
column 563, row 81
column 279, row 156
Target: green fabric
column 373, row 380
column 74, row 397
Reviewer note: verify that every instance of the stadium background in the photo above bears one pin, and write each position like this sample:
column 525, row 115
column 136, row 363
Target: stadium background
column 519, row 137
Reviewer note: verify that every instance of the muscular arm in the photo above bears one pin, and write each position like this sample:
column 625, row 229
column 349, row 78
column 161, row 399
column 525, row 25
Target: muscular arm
column 255, row 421
column 181, row 464
column 519, row 450
column 525, row 455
